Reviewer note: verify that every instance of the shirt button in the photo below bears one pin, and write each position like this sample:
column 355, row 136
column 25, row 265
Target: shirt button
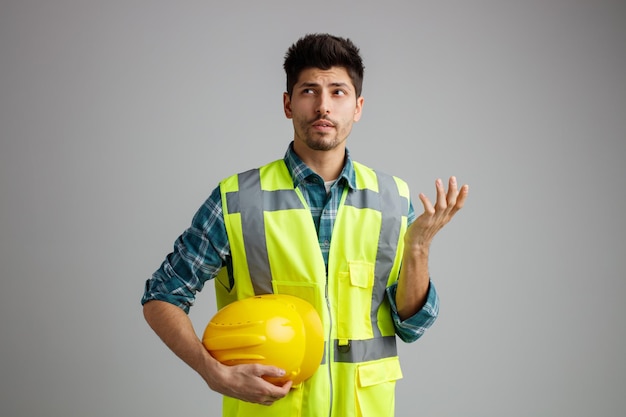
column 326, row 242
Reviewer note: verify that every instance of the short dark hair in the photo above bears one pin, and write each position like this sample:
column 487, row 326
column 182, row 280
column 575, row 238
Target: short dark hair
column 323, row 51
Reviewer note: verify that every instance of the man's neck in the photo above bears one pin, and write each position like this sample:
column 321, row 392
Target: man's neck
column 326, row 164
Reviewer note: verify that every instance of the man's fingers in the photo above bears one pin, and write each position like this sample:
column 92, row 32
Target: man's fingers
column 286, row 387
column 462, row 196
column 452, row 192
column 447, row 202
column 258, row 389
column 428, row 206
column 277, row 392
column 442, row 203
column 271, row 371
column 460, row 200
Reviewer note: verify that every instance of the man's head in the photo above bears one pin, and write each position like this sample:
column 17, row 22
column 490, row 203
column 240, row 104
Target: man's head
column 323, row 51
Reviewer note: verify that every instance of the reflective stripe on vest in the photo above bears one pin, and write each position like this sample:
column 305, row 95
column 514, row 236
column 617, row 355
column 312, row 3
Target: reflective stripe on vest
column 356, row 351
column 251, row 201
column 246, row 201
column 392, row 208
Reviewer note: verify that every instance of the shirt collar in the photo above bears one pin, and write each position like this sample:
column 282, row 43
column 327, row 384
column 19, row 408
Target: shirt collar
column 300, row 171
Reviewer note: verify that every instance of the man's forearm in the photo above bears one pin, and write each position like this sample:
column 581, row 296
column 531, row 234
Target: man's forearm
column 173, row 326
column 414, row 278
column 413, row 283
column 245, row 382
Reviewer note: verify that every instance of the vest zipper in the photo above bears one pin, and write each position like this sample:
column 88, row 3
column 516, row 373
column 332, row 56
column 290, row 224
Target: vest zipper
column 330, row 349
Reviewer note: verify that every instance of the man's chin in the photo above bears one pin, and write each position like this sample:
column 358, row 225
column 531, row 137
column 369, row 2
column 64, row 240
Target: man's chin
column 323, row 144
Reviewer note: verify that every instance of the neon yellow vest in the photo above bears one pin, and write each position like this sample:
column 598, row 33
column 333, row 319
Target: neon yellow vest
column 275, row 249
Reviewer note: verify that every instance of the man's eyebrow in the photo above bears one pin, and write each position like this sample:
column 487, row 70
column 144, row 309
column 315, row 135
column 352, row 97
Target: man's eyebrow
column 340, row 84
column 314, row 84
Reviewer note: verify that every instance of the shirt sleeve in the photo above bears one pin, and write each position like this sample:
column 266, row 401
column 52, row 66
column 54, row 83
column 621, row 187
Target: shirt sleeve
column 198, row 255
column 413, row 328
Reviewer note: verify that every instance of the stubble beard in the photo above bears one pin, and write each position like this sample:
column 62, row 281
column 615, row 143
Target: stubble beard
column 322, row 142
column 319, row 141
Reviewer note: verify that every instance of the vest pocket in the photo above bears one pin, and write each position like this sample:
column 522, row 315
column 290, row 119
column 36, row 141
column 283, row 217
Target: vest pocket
column 303, row 290
column 375, row 387
column 354, row 302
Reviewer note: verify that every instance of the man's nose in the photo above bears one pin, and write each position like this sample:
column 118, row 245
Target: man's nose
column 323, row 105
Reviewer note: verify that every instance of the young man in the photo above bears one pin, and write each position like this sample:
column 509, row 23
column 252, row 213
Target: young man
column 320, row 226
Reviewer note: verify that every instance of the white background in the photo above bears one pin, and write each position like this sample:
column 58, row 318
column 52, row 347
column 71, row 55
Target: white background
column 117, row 119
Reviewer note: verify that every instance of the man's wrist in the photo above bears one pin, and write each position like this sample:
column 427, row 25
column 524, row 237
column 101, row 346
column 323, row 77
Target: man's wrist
column 417, row 250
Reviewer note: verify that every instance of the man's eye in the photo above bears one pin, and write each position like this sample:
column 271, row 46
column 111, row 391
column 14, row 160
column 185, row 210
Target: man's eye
column 340, row 93
column 308, row 91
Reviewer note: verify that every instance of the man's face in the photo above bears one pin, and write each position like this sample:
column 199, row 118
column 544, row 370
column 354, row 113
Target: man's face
column 323, row 107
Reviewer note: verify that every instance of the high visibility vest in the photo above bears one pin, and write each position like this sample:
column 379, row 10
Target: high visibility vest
column 275, row 249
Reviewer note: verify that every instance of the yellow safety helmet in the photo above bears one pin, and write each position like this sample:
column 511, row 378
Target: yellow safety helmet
column 272, row 329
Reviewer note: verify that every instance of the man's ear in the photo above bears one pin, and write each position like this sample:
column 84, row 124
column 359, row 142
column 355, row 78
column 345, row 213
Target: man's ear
column 287, row 105
column 359, row 109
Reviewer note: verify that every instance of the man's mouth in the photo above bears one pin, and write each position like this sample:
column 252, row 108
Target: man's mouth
column 322, row 124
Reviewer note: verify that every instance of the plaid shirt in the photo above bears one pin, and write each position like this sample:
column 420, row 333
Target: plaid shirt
column 203, row 249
